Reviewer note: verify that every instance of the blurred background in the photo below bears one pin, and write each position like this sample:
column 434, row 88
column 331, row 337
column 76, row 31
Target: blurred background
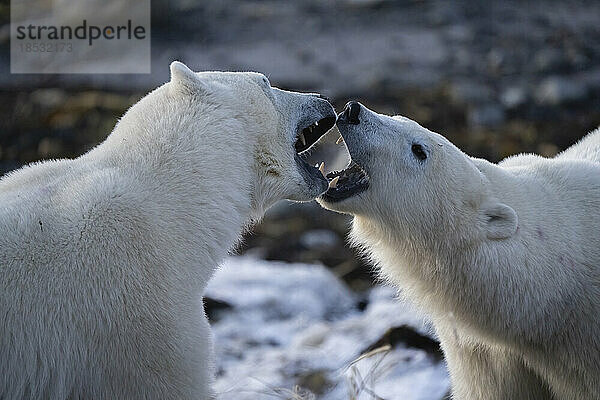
column 495, row 77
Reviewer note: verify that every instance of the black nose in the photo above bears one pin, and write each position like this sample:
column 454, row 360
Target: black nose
column 351, row 112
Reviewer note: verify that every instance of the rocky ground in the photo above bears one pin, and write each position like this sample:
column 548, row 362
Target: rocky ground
column 299, row 333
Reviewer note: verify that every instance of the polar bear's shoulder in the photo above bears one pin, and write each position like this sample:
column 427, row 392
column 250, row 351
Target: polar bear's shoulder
column 574, row 180
column 519, row 160
column 587, row 148
column 64, row 195
column 559, row 168
column 36, row 173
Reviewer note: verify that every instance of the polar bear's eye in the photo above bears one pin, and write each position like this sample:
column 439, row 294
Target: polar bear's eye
column 418, row 151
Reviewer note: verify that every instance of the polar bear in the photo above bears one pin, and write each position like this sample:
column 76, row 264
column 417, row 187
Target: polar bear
column 505, row 258
column 103, row 259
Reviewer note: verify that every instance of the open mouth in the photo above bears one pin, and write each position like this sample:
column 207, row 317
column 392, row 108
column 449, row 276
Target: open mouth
column 305, row 139
column 310, row 135
column 346, row 183
column 353, row 179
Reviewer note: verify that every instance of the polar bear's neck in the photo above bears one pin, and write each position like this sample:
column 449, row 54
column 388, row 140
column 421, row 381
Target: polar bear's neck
column 194, row 172
column 482, row 284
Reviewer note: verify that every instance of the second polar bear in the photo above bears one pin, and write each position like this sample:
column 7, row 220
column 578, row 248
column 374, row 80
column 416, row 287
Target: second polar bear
column 103, row 259
column 504, row 257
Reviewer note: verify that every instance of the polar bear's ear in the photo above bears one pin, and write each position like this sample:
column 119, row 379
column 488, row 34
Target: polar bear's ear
column 185, row 77
column 501, row 221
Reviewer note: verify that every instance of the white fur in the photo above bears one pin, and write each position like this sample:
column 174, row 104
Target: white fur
column 504, row 257
column 103, row 259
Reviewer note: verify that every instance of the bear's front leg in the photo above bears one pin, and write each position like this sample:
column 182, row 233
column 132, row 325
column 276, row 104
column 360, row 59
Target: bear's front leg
column 479, row 372
column 166, row 358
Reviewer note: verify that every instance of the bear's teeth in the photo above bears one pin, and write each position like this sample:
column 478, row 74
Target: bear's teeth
column 340, row 140
column 322, row 168
column 302, row 139
column 317, row 123
column 333, row 183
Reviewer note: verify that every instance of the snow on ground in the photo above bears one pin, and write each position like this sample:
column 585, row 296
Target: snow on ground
column 297, row 325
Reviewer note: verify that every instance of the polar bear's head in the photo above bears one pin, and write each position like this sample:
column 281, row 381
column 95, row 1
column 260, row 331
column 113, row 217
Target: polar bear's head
column 405, row 176
column 257, row 129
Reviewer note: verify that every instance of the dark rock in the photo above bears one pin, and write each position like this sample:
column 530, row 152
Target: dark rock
column 214, row 308
column 409, row 337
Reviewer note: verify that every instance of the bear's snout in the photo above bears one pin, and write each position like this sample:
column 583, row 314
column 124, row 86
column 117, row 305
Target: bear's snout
column 350, row 113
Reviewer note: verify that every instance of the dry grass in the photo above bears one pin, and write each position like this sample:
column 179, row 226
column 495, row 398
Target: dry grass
column 359, row 384
column 297, row 393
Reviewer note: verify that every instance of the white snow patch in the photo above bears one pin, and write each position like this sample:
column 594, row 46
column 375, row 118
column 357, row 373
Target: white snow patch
column 293, row 322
